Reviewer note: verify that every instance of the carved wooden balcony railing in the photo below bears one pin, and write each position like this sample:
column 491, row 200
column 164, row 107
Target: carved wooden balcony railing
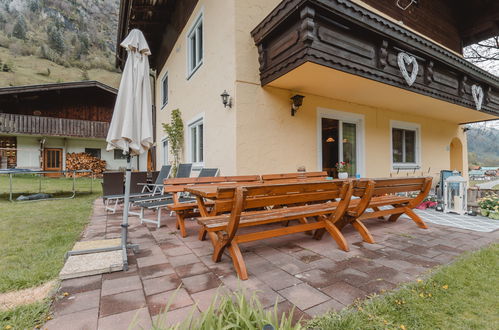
column 35, row 125
column 342, row 35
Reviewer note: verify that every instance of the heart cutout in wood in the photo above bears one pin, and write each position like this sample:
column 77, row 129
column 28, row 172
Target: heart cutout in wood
column 403, row 60
column 477, row 93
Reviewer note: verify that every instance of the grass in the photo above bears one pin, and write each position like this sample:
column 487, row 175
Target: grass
column 29, row 70
column 462, row 295
column 34, row 237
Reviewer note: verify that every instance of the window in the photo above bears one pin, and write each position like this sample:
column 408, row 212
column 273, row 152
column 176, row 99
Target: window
column 118, row 154
column 195, row 46
column 196, row 141
column 405, row 145
column 94, row 152
column 164, row 90
column 164, row 150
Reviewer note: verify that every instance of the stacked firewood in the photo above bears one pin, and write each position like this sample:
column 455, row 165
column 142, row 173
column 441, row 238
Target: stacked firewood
column 84, row 161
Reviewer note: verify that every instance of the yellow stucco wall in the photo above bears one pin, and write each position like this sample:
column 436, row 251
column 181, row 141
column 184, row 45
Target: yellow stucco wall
column 200, row 94
column 258, row 135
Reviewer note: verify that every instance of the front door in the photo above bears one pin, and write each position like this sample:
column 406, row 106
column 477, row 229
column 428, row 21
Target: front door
column 339, row 140
column 52, row 160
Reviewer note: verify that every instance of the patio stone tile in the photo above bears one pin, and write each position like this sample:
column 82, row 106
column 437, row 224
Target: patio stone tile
column 122, row 302
column 377, row 286
column 81, row 284
column 84, row 320
column 183, row 260
column 306, row 256
column 286, row 307
column 122, row 284
column 303, row 296
column 423, row 261
column 275, row 278
column 203, row 299
column 161, row 284
column 344, row 292
column 394, row 263
column 175, row 298
column 444, row 258
column 77, row 302
column 191, row 269
column 382, row 272
column 177, row 251
column 156, row 271
column 175, row 316
column 203, row 251
column 200, row 282
column 318, row 278
column 152, row 260
column 134, row 319
column 328, row 306
column 253, row 285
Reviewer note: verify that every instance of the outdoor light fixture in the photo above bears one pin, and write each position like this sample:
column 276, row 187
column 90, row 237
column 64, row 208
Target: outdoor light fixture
column 226, row 99
column 330, row 139
column 297, row 102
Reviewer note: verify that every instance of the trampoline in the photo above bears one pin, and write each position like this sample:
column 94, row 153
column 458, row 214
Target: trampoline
column 12, row 171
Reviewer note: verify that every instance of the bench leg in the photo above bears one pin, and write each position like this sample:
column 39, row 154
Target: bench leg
column 366, row 235
column 337, row 235
column 181, row 224
column 395, row 216
column 415, row 218
column 202, row 234
column 238, row 261
column 305, row 221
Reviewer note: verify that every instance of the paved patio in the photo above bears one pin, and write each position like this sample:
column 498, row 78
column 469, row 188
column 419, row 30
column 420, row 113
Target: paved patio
column 315, row 276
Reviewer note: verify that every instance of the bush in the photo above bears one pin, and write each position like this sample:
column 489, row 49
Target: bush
column 56, row 40
column 21, row 48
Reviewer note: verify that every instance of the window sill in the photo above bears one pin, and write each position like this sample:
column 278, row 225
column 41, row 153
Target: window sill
column 406, row 167
column 193, row 71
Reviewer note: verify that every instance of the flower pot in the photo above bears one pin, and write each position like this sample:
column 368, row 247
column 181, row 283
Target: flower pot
column 342, row 175
column 484, row 212
column 494, row 215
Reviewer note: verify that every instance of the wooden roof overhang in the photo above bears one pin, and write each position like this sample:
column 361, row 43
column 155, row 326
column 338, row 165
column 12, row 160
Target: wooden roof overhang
column 347, row 37
column 161, row 21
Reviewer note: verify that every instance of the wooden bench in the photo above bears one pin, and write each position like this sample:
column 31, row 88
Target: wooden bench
column 188, row 208
column 283, row 177
column 385, row 194
column 254, row 205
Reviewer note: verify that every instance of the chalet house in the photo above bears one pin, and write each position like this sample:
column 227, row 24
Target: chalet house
column 379, row 84
column 40, row 124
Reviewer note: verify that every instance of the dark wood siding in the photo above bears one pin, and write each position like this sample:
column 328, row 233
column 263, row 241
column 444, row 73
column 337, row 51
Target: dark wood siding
column 434, row 19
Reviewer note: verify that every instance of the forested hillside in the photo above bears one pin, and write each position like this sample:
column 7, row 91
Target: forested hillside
column 57, row 40
column 483, row 146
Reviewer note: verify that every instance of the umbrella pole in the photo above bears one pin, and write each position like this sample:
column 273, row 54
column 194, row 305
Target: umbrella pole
column 124, row 225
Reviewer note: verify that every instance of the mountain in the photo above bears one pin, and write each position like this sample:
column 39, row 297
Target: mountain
column 483, row 146
column 44, row 41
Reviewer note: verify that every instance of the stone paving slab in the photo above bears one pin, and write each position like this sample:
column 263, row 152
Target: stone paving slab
column 295, row 271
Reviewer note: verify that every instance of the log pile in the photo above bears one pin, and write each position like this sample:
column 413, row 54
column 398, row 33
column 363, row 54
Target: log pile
column 84, row 161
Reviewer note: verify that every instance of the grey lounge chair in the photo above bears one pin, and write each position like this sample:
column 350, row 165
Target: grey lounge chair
column 184, row 171
column 153, row 188
column 112, row 184
column 158, row 206
column 208, row 172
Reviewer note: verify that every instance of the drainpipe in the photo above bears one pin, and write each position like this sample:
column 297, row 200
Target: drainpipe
column 153, row 75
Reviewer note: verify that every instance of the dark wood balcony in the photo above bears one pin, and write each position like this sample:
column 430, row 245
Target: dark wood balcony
column 48, row 126
column 341, row 35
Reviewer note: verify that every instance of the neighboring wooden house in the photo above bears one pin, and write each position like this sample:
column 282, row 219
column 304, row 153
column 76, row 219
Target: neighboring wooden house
column 311, row 83
column 39, row 124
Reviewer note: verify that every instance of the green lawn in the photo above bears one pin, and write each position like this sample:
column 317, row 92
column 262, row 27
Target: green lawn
column 460, row 296
column 34, row 236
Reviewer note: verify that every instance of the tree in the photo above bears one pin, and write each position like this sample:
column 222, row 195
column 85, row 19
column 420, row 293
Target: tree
column 56, row 40
column 20, row 28
column 484, row 54
column 175, row 134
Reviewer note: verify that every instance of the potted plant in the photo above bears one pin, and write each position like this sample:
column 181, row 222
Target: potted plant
column 342, row 168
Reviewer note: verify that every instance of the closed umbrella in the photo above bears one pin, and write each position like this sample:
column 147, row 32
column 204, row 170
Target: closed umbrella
column 131, row 126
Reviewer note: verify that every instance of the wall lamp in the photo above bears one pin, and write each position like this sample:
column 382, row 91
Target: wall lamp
column 226, row 99
column 297, row 102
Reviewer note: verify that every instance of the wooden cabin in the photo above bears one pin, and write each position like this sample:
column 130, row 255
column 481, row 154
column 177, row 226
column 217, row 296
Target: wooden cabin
column 40, row 124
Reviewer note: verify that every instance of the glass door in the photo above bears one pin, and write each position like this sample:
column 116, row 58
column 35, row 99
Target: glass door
column 339, row 144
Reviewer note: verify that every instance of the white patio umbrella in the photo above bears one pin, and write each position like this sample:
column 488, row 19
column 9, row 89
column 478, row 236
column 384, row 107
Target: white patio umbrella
column 131, row 126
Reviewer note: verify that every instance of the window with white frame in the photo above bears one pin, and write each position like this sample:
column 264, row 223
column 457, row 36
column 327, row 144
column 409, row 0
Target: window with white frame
column 195, row 46
column 164, row 151
column 405, row 144
column 196, row 141
column 164, row 90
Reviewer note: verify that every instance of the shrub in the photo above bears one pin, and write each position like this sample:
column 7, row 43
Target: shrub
column 234, row 311
column 56, row 40
column 175, row 134
column 20, row 29
column 490, row 202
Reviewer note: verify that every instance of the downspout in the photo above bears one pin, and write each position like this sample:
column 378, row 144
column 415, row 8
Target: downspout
column 153, row 75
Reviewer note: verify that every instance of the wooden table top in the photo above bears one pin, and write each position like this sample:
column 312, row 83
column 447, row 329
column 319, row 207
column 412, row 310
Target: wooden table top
column 210, row 190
